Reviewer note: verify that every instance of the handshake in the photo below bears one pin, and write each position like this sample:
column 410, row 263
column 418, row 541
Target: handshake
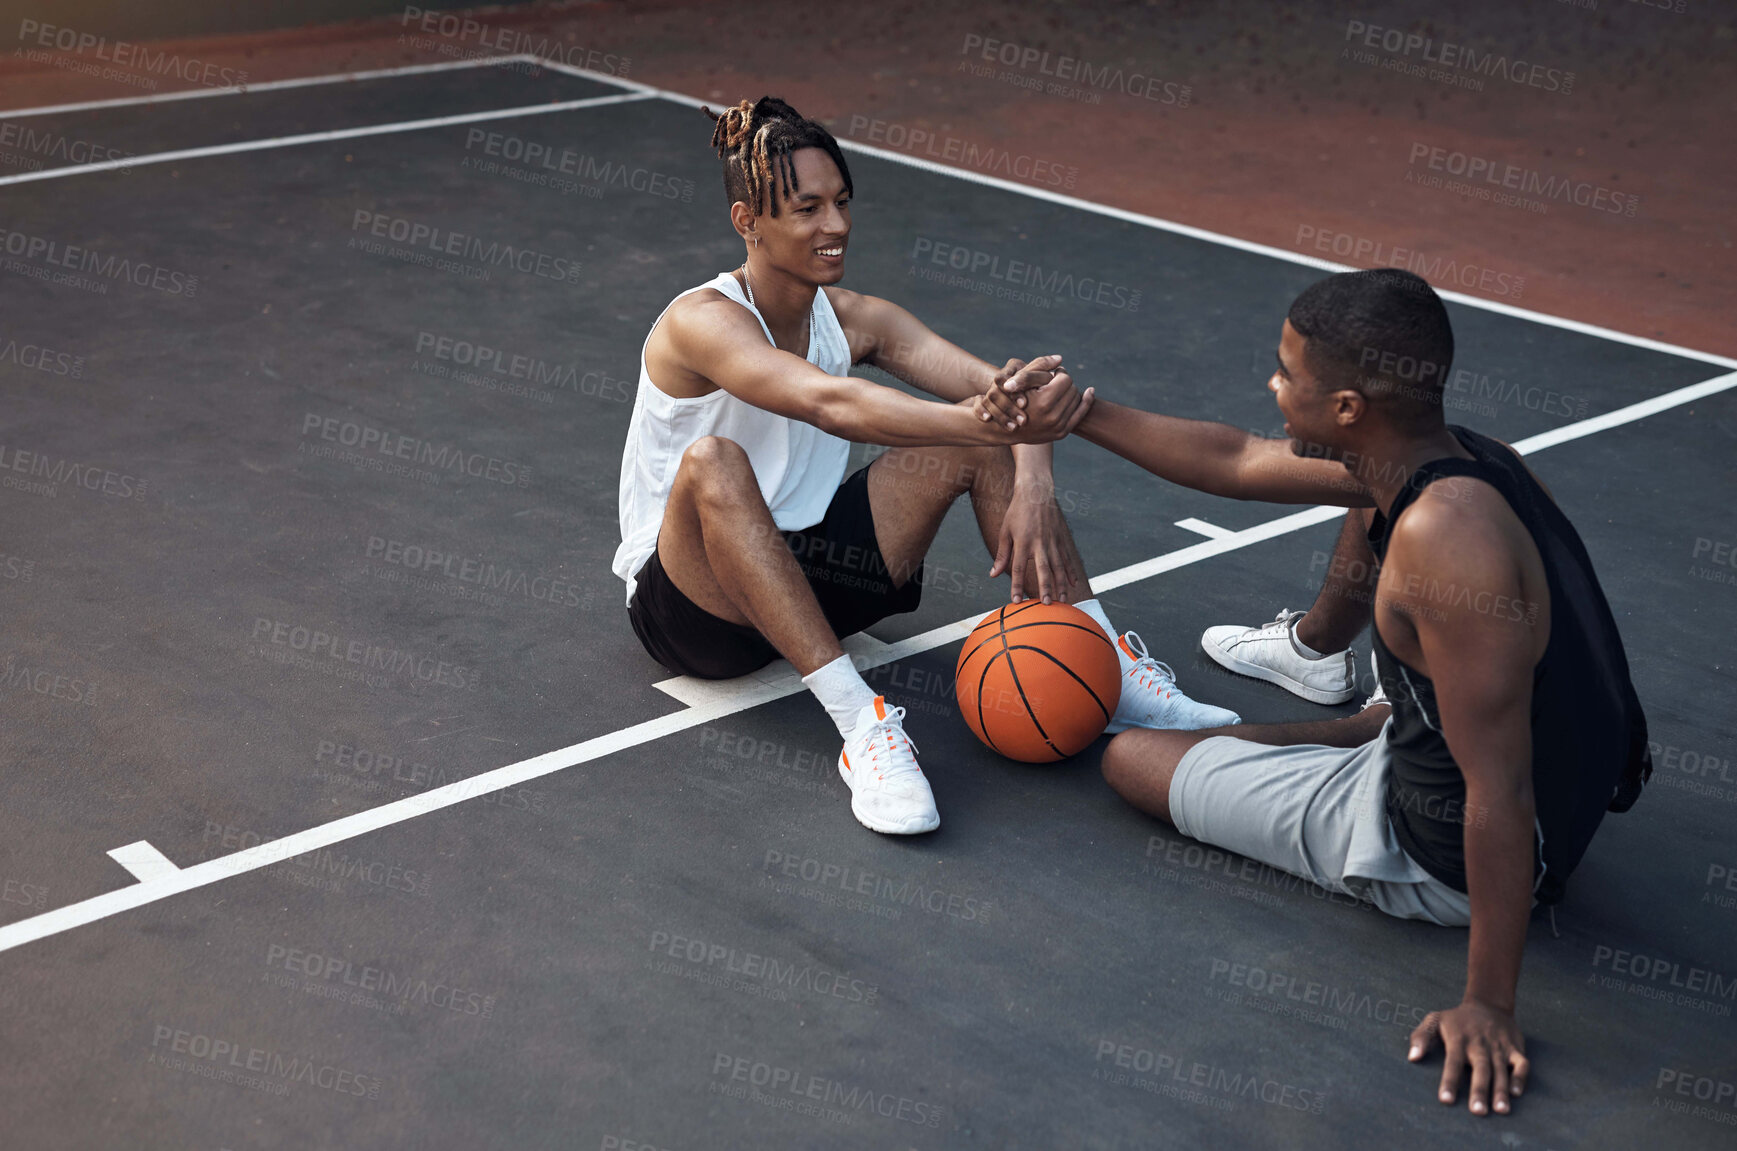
column 1035, row 403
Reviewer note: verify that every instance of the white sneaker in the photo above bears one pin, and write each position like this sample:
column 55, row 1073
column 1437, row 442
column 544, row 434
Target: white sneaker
column 879, row 765
column 1150, row 697
column 1266, row 653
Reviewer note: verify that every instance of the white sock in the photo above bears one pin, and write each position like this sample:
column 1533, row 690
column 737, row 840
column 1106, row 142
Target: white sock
column 841, row 690
column 1094, row 609
column 1302, row 648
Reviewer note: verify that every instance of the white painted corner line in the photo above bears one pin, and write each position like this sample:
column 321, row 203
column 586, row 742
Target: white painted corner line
column 150, row 158
column 1201, row 527
column 268, row 86
column 143, row 861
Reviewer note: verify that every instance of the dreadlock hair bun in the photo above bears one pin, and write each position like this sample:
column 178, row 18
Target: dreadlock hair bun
column 732, row 127
column 755, row 142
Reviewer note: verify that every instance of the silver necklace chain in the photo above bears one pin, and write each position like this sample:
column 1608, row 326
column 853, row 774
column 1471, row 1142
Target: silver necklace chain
column 813, row 323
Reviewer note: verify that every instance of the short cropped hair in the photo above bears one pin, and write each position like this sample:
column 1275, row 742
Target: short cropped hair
column 1383, row 332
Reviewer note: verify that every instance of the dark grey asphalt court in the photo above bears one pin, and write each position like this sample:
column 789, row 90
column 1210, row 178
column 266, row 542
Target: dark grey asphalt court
column 231, row 618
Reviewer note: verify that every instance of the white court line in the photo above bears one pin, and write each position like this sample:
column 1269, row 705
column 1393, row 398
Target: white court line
column 744, row 697
column 1633, row 412
column 320, row 137
column 647, row 90
column 144, row 861
column 1201, row 527
column 267, row 86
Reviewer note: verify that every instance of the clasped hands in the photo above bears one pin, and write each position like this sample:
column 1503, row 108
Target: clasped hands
column 1034, row 402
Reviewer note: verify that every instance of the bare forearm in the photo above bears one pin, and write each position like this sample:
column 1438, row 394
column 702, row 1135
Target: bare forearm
column 1193, row 453
column 1499, row 876
column 1034, row 462
column 869, row 413
column 1219, row 459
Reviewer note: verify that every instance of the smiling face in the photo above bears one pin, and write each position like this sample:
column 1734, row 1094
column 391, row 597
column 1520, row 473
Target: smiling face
column 808, row 236
column 1317, row 415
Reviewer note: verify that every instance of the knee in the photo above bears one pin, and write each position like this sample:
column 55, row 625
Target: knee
column 1139, row 764
column 715, row 453
column 719, row 467
column 1118, row 762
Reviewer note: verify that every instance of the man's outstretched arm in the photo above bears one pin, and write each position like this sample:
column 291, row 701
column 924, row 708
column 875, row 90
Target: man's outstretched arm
column 722, row 343
column 1219, row 459
column 1480, row 645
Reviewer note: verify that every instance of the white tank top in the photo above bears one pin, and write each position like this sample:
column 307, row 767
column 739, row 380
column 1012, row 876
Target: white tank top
column 798, row 466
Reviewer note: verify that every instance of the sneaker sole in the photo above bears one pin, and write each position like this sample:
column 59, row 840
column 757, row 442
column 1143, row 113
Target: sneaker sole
column 1255, row 671
column 887, row 829
column 1119, row 728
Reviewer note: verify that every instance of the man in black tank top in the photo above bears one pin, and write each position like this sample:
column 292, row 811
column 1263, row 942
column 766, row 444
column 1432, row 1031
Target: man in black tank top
column 1586, row 724
column 1514, row 725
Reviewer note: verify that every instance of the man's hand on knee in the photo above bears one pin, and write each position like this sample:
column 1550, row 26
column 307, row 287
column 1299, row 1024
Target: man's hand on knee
column 1034, row 546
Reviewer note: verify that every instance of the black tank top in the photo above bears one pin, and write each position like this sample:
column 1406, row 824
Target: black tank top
column 1589, row 741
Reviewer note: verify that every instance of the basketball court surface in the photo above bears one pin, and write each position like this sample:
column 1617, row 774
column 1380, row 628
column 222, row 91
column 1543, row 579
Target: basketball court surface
column 344, row 808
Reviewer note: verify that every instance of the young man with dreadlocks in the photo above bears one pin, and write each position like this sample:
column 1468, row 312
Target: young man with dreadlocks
column 1509, row 723
column 740, row 543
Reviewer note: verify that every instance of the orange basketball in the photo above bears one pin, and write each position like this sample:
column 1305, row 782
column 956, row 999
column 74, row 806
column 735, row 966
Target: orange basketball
column 1038, row 682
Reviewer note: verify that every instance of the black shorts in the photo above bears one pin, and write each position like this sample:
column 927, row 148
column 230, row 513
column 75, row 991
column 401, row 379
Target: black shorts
column 843, row 563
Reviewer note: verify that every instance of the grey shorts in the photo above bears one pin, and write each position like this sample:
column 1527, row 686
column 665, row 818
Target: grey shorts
column 1313, row 811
